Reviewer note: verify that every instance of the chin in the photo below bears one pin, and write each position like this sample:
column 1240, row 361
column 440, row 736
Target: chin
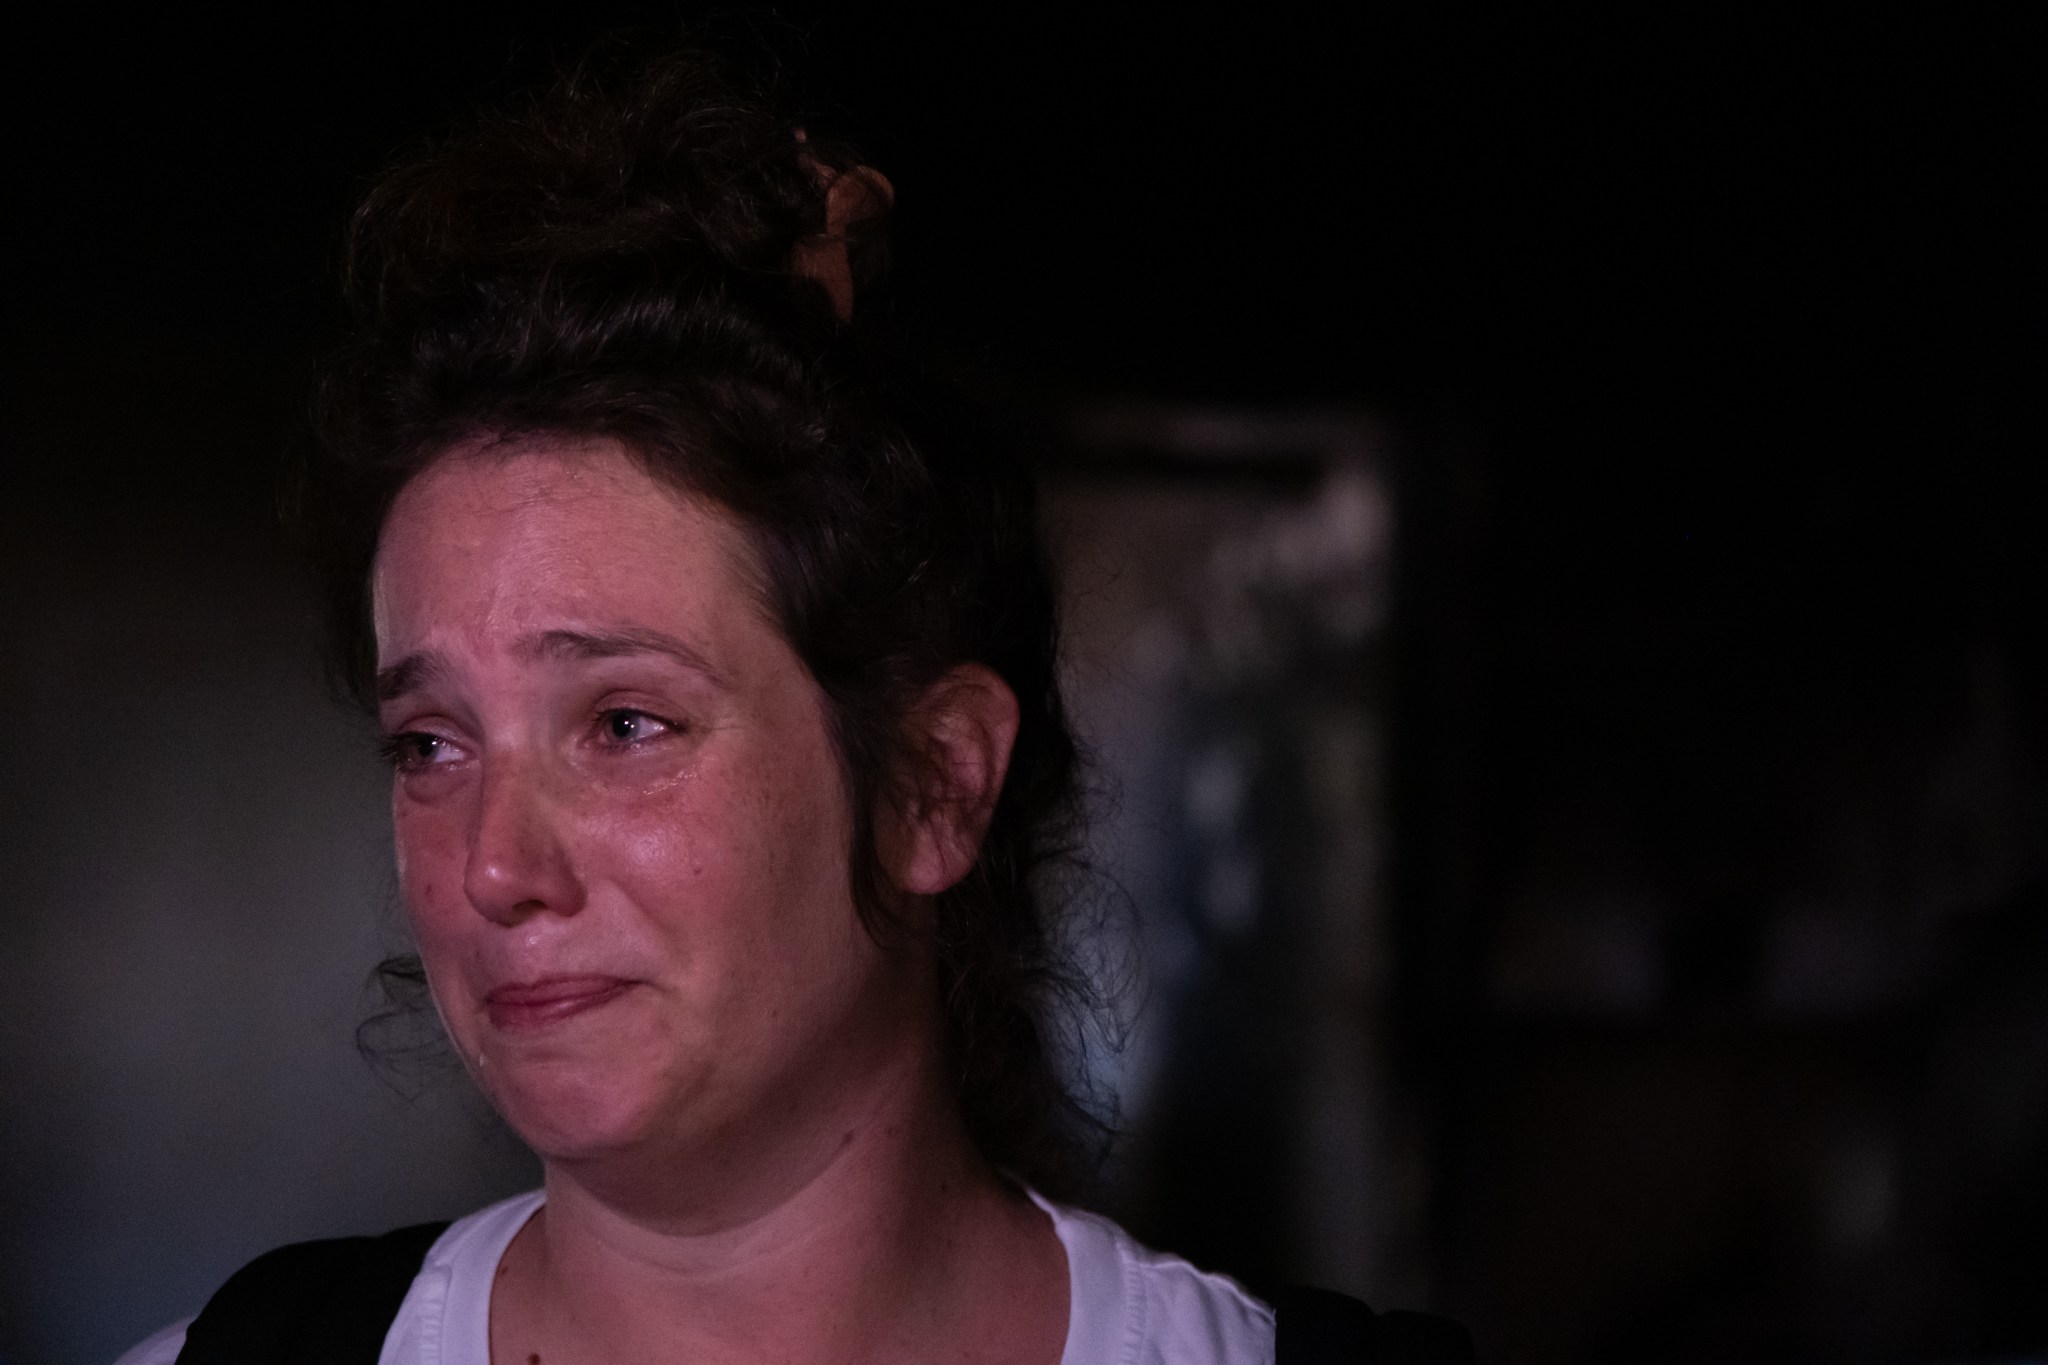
column 569, row 1110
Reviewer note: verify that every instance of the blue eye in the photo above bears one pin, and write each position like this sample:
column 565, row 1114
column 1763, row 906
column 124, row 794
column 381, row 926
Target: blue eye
column 622, row 727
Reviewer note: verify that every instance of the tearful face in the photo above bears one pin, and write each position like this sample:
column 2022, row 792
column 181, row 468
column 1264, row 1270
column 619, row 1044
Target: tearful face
column 621, row 826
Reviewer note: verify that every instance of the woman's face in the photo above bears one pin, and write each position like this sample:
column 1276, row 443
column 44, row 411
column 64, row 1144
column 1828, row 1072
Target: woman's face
column 621, row 831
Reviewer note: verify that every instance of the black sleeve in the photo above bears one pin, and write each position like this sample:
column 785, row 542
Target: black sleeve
column 311, row 1303
column 1319, row 1327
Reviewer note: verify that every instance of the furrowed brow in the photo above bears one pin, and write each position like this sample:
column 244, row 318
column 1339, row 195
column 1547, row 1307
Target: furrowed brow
column 409, row 673
column 614, row 644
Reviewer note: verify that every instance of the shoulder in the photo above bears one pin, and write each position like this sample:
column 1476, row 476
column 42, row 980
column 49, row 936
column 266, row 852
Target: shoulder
column 160, row 1348
column 1131, row 1305
column 340, row 1293
column 334, row 1299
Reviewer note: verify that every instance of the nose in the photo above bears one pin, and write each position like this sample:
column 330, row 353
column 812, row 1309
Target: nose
column 518, row 865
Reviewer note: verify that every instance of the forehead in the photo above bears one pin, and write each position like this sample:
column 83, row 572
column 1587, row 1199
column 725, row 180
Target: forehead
column 550, row 532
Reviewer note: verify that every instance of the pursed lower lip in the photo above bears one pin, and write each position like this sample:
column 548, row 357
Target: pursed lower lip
column 542, row 1003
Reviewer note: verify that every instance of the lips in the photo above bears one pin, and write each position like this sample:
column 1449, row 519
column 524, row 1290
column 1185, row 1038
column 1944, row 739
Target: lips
column 528, row 1005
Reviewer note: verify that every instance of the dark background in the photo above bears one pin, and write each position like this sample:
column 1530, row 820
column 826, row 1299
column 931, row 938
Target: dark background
column 1711, row 354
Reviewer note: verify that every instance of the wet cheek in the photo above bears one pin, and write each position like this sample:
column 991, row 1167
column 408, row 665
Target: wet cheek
column 662, row 849
column 697, row 871
column 431, row 858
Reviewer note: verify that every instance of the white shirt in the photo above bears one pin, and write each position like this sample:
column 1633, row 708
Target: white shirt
column 1127, row 1305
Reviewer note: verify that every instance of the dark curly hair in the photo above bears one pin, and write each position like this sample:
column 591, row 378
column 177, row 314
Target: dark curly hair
column 614, row 259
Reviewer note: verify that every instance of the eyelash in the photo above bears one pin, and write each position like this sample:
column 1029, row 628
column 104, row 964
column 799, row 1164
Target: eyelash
column 610, row 713
column 397, row 750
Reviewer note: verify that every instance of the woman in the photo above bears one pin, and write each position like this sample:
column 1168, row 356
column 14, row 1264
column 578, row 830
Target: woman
column 716, row 673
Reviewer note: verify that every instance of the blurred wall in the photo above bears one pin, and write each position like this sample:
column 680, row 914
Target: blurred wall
column 197, row 883
column 1227, row 575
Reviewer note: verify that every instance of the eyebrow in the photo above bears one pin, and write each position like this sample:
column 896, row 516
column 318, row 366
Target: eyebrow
column 615, row 644
column 416, row 670
column 411, row 672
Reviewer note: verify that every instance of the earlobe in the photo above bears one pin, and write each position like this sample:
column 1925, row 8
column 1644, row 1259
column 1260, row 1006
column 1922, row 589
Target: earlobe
column 966, row 724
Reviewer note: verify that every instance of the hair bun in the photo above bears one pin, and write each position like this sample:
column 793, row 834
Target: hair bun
column 672, row 165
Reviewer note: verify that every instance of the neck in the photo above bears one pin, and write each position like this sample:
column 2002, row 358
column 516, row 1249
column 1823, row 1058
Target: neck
column 863, row 1239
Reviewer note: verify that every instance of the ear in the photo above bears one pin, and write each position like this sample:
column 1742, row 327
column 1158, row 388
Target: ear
column 964, row 726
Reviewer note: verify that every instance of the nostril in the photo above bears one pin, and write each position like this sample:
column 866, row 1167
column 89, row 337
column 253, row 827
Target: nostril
column 518, row 866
